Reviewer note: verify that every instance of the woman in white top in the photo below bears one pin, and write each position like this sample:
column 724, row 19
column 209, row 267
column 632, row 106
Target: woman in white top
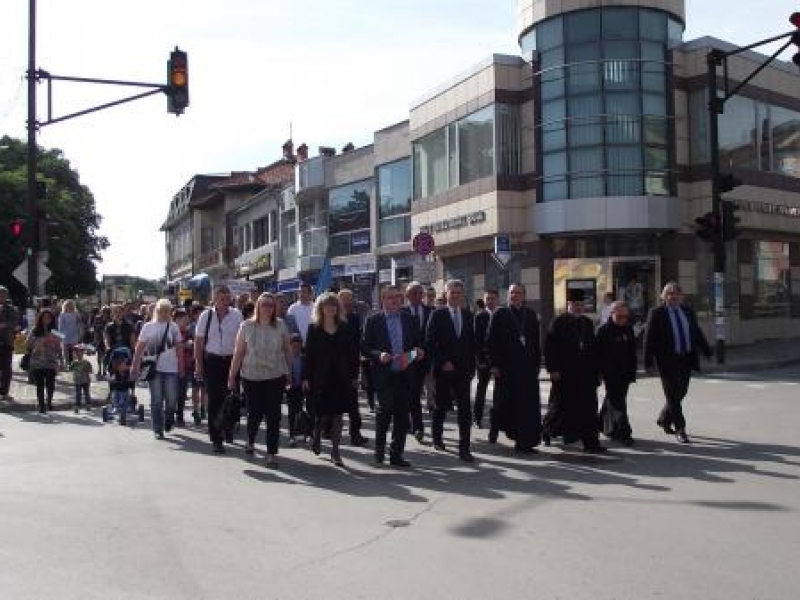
column 161, row 337
column 262, row 358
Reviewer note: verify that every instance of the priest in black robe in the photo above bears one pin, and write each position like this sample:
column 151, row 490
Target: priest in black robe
column 515, row 356
column 571, row 359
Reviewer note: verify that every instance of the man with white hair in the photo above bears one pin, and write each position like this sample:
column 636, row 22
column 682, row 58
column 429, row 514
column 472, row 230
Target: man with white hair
column 672, row 339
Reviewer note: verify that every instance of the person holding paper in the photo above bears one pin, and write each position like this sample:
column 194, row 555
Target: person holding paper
column 391, row 341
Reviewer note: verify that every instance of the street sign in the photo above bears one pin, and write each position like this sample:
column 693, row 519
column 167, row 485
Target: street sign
column 423, row 243
column 21, row 272
column 502, row 248
column 425, row 272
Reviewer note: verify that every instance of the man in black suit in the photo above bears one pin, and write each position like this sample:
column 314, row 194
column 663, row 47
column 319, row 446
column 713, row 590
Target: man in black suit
column 515, row 355
column 484, row 367
column 450, row 340
column 421, row 313
column 392, row 342
column 672, row 340
column 354, row 321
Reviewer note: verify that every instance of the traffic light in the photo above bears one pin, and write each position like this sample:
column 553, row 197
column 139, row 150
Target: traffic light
column 17, row 228
column 177, row 82
column 708, row 227
column 730, row 222
column 794, row 19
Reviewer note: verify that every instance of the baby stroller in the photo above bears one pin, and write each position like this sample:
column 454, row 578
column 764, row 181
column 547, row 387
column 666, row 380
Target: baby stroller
column 121, row 402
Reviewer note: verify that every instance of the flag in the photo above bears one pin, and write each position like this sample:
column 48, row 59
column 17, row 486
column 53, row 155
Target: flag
column 325, row 278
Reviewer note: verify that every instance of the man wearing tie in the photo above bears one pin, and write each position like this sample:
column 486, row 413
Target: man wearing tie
column 421, row 314
column 391, row 341
column 672, row 339
column 450, row 340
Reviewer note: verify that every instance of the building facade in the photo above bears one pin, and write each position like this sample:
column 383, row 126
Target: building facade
column 589, row 152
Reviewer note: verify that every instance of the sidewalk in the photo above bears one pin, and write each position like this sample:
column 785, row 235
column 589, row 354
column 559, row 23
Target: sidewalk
column 769, row 354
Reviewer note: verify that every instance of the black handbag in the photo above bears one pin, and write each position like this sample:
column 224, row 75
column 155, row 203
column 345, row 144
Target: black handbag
column 228, row 415
column 147, row 368
column 25, row 361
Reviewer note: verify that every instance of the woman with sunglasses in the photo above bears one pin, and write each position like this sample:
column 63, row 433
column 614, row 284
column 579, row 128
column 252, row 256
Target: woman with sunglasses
column 262, row 357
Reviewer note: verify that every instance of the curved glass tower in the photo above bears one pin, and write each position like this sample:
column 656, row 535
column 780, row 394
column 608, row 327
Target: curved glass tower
column 604, row 112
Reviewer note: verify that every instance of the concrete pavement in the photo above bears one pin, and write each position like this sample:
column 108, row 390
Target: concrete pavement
column 100, row 511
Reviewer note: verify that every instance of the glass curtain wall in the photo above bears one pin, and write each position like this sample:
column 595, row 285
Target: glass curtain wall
column 349, row 218
column 467, row 150
column 394, row 202
column 604, row 112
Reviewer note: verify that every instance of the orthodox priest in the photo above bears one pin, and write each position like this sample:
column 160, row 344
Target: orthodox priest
column 515, row 357
column 570, row 356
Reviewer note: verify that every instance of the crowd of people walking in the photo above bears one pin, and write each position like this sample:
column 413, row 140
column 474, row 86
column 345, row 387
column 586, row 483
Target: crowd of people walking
column 418, row 349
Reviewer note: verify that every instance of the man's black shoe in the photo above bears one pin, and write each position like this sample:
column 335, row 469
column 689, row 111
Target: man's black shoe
column 595, row 449
column 399, row 461
column 466, row 456
column 439, row 445
column 666, row 427
column 229, row 437
column 219, row 448
column 379, row 458
column 525, row 449
column 168, row 425
column 419, row 434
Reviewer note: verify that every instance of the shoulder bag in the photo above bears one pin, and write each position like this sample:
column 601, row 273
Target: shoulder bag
column 147, row 371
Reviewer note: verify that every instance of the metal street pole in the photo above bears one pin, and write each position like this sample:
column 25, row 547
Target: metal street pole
column 32, row 200
column 715, row 105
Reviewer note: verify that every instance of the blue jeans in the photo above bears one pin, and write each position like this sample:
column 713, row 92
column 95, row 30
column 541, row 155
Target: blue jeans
column 163, row 396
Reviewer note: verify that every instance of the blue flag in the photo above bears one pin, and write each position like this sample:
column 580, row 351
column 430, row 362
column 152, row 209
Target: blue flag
column 325, row 278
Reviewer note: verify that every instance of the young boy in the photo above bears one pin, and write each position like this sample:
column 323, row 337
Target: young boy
column 294, row 389
column 81, row 377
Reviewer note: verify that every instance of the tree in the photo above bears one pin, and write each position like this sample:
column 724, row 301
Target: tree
column 72, row 221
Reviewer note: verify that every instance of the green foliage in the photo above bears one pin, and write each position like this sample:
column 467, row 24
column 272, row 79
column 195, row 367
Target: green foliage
column 69, row 208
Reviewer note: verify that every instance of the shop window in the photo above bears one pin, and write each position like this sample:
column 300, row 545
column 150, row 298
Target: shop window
column 772, row 279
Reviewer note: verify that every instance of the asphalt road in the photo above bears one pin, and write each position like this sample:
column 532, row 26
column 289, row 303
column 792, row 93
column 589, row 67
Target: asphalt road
column 91, row 510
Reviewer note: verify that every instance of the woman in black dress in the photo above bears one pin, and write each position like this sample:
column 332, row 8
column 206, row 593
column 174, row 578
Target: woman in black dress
column 330, row 371
column 616, row 351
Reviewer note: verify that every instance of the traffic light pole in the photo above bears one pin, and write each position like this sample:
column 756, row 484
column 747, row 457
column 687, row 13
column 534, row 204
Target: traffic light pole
column 32, row 201
column 716, row 106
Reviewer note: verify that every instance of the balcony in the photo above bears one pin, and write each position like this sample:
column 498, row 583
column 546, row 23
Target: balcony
column 310, row 179
column 178, row 266
column 213, row 258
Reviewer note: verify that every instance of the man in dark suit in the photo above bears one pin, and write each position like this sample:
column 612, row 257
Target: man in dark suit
column 484, row 367
column 515, row 354
column 672, row 340
column 354, row 321
column 421, row 313
column 450, row 340
column 392, row 342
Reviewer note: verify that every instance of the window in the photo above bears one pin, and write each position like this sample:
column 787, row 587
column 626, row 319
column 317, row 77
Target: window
column 208, row 241
column 394, row 202
column 476, row 146
column 348, row 207
column 260, row 232
column 430, row 165
column 273, row 226
column 772, row 280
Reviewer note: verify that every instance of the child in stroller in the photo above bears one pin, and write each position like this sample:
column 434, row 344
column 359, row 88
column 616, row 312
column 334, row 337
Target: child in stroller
column 121, row 401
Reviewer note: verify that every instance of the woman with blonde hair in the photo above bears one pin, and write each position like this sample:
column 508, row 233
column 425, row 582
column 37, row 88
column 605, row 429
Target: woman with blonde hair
column 331, row 371
column 161, row 339
column 261, row 358
column 70, row 327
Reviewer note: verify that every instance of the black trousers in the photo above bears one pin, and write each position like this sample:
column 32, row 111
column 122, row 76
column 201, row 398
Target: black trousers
column 215, row 378
column 82, row 392
column 354, row 416
column 45, row 380
column 264, row 399
column 294, row 404
column 676, row 373
column 614, row 413
column 452, row 390
column 484, row 376
column 417, row 377
column 392, row 409
column 6, row 353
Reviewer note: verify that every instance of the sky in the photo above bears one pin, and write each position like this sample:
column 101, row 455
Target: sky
column 333, row 70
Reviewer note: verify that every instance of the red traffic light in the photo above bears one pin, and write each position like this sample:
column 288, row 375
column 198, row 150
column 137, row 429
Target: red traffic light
column 17, row 227
column 795, row 19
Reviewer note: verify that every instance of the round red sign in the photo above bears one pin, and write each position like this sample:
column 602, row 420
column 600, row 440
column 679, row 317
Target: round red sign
column 423, row 243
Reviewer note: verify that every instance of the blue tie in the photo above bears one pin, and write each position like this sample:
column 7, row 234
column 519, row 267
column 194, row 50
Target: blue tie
column 682, row 344
column 395, row 334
